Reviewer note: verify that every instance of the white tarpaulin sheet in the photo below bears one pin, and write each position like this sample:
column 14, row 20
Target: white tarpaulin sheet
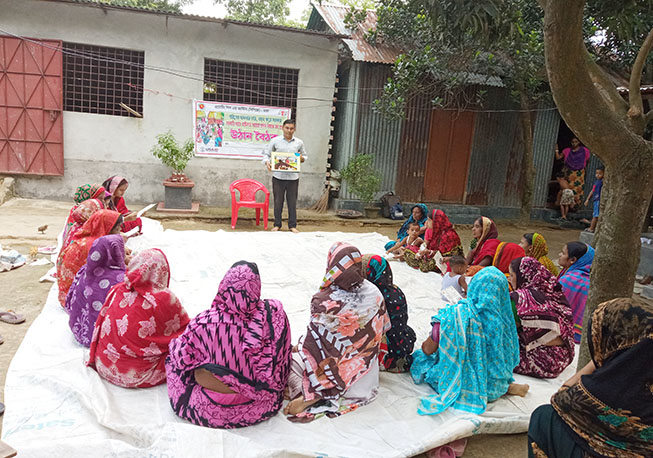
column 56, row 406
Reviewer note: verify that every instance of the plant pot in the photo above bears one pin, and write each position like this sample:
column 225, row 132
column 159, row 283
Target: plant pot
column 372, row 212
column 178, row 194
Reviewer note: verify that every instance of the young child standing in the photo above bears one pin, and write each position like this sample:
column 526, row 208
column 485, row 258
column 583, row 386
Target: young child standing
column 411, row 242
column 596, row 195
column 567, row 195
column 456, row 278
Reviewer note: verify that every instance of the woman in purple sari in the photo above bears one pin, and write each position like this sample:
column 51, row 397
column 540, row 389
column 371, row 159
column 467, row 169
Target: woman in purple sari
column 105, row 267
column 576, row 158
column 230, row 366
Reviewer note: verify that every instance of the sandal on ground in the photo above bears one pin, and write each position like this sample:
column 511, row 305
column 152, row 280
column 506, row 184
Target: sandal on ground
column 11, row 317
column 2, row 340
column 2, row 408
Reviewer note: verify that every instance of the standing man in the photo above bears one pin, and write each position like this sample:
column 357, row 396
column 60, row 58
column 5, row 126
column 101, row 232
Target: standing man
column 285, row 184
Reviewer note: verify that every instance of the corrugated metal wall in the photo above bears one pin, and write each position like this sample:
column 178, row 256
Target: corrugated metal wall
column 547, row 125
column 495, row 164
column 377, row 135
column 358, row 129
column 414, row 150
column 346, row 123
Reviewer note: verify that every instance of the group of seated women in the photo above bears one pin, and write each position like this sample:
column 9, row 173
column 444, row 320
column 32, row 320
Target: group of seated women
column 234, row 364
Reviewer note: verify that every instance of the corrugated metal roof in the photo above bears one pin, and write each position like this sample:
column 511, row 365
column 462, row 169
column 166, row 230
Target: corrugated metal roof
column 194, row 17
column 361, row 50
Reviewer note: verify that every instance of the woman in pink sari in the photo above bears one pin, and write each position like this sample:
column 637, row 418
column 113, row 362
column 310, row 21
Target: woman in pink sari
column 230, row 367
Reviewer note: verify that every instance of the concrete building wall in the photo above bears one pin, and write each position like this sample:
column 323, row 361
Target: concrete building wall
column 97, row 146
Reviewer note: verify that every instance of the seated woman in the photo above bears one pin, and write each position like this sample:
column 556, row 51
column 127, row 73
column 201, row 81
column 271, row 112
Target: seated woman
column 535, row 246
column 505, row 254
column 101, row 223
column 84, row 192
column 606, row 409
column 230, row 366
column 105, row 266
column 544, row 323
column 78, row 216
column 348, row 310
column 136, row 323
column 417, row 215
column 576, row 259
column 117, row 186
column 396, row 349
column 484, row 245
column 473, row 348
column 440, row 236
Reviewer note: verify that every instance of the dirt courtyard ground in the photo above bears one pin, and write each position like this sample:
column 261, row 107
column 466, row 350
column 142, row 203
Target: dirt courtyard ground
column 22, row 292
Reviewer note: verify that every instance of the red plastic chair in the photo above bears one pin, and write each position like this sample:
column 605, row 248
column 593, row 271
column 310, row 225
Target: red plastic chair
column 248, row 189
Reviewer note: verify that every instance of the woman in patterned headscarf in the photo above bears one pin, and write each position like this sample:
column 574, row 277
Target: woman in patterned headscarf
column 440, row 236
column 484, row 245
column 417, row 215
column 335, row 368
column 606, row 409
column 544, row 323
column 396, row 350
column 136, row 323
column 79, row 212
column 535, row 246
column 230, row 367
column 117, row 186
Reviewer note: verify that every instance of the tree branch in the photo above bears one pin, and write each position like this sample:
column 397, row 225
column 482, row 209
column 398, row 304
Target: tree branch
column 634, row 95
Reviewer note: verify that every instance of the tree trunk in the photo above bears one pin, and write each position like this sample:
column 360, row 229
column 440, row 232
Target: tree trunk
column 528, row 169
column 629, row 187
column 591, row 107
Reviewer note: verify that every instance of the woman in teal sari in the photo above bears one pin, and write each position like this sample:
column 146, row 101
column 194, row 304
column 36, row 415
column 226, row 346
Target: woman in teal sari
column 473, row 348
column 418, row 215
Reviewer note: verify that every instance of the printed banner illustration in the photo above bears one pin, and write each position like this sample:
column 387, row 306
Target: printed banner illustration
column 235, row 131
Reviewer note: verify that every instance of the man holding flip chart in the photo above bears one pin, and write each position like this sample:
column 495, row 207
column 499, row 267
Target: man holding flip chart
column 284, row 166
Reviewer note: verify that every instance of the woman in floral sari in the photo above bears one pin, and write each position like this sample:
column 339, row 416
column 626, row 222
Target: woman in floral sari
column 535, row 246
column 606, row 409
column 348, row 320
column 136, row 323
column 440, row 236
column 473, row 348
column 231, row 365
column 101, row 223
column 544, row 322
column 105, row 266
column 576, row 158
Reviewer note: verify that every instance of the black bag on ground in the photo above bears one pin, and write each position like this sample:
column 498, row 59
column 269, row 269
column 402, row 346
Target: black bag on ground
column 391, row 206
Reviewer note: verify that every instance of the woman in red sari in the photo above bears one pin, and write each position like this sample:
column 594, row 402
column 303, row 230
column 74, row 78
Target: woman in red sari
column 78, row 216
column 136, row 323
column 505, row 254
column 117, row 186
column 440, row 236
column 481, row 255
column 84, row 193
column 101, row 223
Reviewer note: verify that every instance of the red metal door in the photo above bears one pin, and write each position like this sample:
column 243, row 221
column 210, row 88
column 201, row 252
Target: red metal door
column 445, row 176
column 31, row 98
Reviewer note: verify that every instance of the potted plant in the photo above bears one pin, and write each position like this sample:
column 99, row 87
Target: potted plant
column 364, row 181
column 178, row 187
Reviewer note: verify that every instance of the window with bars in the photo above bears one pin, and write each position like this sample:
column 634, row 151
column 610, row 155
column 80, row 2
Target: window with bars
column 98, row 79
column 236, row 82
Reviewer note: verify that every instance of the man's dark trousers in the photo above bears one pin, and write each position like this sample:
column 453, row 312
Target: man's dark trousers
column 287, row 189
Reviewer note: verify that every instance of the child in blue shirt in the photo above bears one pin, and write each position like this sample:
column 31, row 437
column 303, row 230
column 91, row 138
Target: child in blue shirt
column 596, row 194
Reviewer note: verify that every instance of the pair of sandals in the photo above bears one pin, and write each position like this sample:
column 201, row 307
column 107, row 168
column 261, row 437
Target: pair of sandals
column 10, row 317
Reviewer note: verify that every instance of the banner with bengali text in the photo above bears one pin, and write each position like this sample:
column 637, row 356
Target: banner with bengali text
column 231, row 130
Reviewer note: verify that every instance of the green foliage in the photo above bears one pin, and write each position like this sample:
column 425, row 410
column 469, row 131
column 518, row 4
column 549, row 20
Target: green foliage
column 451, row 45
column 273, row 12
column 171, row 154
column 362, row 178
column 171, row 6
